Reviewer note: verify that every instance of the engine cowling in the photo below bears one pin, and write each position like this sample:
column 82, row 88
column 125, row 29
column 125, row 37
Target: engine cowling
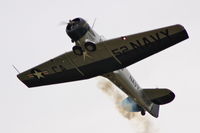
column 129, row 105
column 77, row 28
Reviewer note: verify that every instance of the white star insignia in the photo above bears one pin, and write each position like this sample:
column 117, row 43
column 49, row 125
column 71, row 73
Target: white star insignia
column 38, row 74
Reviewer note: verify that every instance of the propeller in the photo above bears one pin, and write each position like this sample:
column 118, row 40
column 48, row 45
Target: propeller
column 63, row 23
column 66, row 23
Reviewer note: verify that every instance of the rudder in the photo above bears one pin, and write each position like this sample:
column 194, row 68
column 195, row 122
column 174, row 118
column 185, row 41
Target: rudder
column 155, row 110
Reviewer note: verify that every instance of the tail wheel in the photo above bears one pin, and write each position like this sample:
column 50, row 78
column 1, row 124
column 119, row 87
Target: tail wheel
column 143, row 112
column 89, row 46
column 77, row 50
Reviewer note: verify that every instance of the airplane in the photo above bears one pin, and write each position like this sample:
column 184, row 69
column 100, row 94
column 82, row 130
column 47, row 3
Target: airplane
column 93, row 55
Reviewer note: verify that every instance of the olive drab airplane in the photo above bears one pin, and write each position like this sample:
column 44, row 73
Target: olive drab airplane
column 93, row 56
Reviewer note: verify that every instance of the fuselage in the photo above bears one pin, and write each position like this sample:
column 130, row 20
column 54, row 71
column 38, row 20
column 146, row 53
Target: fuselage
column 124, row 80
column 121, row 78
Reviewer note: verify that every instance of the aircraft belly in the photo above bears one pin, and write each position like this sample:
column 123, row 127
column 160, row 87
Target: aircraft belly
column 123, row 79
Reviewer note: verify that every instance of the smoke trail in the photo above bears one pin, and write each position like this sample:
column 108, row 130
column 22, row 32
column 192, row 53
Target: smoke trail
column 142, row 123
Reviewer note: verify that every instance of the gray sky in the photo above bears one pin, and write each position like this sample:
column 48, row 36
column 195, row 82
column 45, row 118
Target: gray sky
column 30, row 34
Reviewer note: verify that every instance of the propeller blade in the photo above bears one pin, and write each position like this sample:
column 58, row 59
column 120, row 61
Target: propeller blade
column 66, row 22
column 63, row 23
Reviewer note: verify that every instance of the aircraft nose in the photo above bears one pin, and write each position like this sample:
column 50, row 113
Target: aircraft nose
column 76, row 28
column 73, row 24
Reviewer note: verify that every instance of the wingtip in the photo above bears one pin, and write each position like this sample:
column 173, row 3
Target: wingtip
column 183, row 29
column 19, row 77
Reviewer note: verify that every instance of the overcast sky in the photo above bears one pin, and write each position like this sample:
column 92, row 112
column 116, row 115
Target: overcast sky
column 30, row 34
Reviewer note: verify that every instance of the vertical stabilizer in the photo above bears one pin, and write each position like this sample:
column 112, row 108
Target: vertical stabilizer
column 155, row 110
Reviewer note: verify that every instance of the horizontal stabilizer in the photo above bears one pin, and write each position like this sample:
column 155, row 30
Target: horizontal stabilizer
column 159, row 96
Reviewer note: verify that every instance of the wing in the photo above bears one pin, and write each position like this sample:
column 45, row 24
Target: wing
column 109, row 56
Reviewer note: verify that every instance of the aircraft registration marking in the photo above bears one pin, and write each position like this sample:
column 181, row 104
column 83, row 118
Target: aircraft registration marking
column 58, row 68
column 139, row 43
column 134, row 83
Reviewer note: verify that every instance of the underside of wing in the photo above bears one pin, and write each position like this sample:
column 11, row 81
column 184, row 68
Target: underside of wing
column 127, row 50
column 109, row 56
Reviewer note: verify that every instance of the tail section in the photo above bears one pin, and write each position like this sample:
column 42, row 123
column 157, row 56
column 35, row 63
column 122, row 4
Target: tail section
column 159, row 96
column 155, row 110
column 153, row 98
column 131, row 106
